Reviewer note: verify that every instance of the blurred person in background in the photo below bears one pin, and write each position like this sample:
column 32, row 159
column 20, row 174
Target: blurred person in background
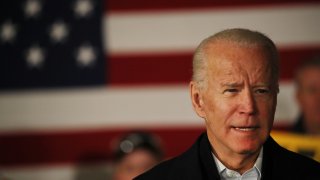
column 135, row 153
column 307, row 81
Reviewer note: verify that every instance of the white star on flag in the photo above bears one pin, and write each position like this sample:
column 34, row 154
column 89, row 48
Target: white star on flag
column 32, row 8
column 8, row 32
column 85, row 55
column 59, row 31
column 35, row 56
column 83, row 8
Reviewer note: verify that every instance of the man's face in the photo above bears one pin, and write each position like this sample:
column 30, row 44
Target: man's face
column 239, row 101
column 308, row 95
column 134, row 164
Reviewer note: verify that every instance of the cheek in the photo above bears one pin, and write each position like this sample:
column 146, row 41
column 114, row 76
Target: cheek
column 310, row 106
column 312, row 101
column 219, row 112
column 309, row 94
column 266, row 111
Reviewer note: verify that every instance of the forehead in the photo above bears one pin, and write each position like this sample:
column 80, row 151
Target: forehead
column 237, row 60
column 310, row 70
column 309, row 74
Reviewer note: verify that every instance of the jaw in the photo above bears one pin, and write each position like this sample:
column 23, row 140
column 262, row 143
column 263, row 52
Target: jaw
column 246, row 140
column 237, row 153
column 236, row 143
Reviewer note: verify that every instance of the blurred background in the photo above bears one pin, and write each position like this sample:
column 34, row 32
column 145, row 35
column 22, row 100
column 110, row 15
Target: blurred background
column 76, row 75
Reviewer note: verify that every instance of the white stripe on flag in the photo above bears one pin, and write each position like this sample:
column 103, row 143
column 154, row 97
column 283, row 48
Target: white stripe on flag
column 111, row 107
column 58, row 172
column 174, row 31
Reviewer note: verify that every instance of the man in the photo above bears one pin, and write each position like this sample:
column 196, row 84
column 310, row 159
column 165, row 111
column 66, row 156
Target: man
column 234, row 89
column 135, row 153
column 308, row 97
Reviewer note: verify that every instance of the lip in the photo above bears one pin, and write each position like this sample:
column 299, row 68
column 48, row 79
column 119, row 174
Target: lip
column 245, row 129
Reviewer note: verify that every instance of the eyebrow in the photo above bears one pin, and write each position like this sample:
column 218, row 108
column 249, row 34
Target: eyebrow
column 263, row 85
column 231, row 84
column 235, row 84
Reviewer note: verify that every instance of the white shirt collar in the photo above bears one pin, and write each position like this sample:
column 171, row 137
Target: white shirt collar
column 257, row 164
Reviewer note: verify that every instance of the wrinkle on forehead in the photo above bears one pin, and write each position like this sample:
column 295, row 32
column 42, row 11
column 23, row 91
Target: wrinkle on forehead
column 256, row 67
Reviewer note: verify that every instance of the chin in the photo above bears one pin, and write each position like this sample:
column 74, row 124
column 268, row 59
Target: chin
column 248, row 151
column 247, row 147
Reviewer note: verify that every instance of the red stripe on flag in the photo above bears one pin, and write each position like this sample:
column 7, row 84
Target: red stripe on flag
column 150, row 69
column 291, row 58
column 177, row 68
column 146, row 5
column 77, row 147
column 81, row 146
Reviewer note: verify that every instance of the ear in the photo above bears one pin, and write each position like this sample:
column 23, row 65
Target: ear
column 196, row 98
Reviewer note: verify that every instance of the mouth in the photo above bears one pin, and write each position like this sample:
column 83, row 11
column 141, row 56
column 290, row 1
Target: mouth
column 246, row 129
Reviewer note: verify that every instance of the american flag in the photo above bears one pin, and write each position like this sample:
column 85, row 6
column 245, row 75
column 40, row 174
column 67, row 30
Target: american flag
column 51, row 44
column 76, row 74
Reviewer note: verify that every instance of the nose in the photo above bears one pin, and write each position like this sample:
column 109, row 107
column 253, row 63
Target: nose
column 247, row 103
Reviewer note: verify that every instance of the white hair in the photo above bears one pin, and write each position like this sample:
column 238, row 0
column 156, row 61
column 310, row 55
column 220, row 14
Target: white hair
column 240, row 36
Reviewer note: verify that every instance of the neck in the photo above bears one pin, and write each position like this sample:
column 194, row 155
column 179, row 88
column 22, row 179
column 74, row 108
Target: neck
column 240, row 162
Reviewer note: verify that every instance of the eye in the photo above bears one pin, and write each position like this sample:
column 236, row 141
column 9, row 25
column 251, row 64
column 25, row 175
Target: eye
column 262, row 91
column 231, row 90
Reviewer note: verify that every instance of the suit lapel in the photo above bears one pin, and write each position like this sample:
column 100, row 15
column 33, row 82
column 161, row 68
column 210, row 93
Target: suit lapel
column 209, row 168
column 268, row 161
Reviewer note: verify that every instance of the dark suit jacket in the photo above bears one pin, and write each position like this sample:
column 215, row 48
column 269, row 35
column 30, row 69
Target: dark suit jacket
column 197, row 163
